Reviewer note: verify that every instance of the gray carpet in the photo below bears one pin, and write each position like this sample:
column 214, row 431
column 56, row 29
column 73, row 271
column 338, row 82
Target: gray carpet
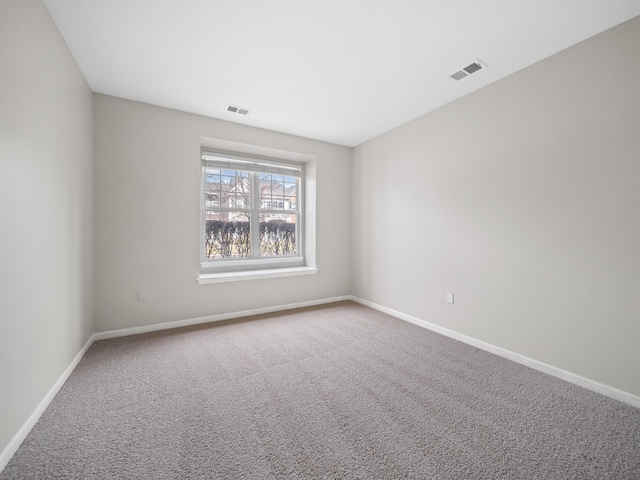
column 337, row 392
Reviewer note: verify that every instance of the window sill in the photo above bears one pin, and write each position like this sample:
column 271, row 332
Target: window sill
column 206, row 278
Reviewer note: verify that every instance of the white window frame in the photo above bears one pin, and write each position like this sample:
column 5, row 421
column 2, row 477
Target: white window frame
column 235, row 266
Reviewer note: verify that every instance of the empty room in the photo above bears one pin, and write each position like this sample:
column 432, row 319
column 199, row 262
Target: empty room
column 319, row 239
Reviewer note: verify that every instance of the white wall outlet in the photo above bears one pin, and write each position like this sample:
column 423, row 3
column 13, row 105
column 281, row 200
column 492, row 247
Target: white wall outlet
column 449, row 297
column 341, row 276
column 142, row 296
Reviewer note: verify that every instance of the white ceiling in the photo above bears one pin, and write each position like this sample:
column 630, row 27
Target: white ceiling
column 342, row 71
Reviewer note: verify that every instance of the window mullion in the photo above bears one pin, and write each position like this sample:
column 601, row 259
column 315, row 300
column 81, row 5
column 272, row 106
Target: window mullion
column 203, row 213
column 298, row 217
column 255, row 216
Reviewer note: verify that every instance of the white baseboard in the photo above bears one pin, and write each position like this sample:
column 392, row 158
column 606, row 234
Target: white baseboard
column 19, row 437
column 603, row 389
column 584, row 382
column 212, row 318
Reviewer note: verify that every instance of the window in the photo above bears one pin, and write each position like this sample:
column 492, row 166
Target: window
column 251, row 215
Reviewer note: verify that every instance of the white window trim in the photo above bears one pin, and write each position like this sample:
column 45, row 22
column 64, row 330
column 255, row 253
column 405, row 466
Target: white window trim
column 206, row 278
column 307, row 203
column 267, row 261
column 254, row 212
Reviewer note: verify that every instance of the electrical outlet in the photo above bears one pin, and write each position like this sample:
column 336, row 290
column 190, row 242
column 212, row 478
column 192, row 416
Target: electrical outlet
column 142, row 296
column 449, row 297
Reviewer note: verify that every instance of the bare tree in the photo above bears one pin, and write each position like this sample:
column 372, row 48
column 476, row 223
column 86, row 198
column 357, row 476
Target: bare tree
column 227, row 239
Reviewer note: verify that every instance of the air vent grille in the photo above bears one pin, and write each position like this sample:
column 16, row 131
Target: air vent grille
column 238, row 110
column 474, row 67
column 459, row 75
column 468, row 70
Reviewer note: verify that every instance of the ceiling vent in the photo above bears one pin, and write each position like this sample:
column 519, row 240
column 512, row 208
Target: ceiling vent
column 468, row 70
column 238, row 110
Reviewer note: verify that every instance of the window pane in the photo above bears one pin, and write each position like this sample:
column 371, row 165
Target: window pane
column 226, row 236
column 212, row 187
column 277, row 192
column 234, row 187
column 237, row 202
column 278, row 235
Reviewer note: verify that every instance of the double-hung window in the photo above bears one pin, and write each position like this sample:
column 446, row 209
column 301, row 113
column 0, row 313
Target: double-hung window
column 251, row 213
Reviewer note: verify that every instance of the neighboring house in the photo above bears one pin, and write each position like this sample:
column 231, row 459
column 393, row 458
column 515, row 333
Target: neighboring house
column 232, row 192
column 291, row 198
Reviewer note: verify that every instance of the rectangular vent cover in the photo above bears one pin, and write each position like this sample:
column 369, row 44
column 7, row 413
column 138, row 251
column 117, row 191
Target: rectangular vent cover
column 459, row 75
column 468, row 70
column 474, row 67
column 238, row 110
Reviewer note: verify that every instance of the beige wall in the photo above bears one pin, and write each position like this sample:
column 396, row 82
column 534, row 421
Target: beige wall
column 523, row 199
column 46, row 242
column 147, row 174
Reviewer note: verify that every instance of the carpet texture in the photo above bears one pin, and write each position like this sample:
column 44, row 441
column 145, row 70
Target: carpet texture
column 333, row 392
